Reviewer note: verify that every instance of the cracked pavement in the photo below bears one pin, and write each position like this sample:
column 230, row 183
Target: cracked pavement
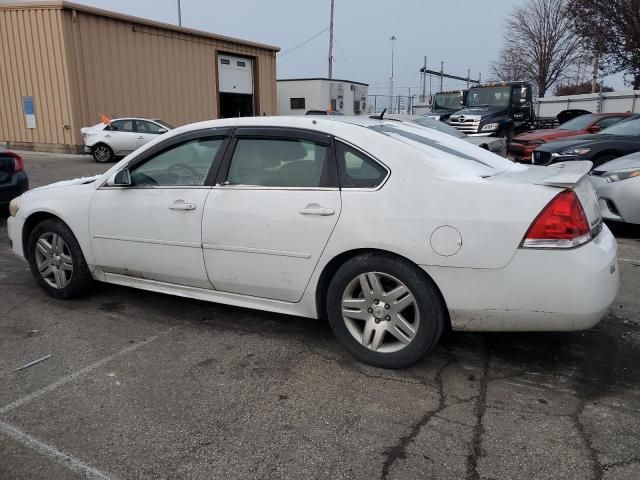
column 142, row 385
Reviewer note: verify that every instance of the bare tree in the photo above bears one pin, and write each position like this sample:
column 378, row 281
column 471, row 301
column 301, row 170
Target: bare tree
column 540, row 33
column 612, row 29
column 510, row 66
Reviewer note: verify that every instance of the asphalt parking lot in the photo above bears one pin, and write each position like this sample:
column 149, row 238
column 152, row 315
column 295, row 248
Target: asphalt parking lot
column 141, row 385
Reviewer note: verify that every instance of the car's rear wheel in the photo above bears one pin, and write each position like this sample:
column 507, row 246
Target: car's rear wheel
column 384, row 310
column 56, row 260
column 102, row 153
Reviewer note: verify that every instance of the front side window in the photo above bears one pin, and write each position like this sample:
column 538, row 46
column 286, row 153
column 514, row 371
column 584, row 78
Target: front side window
column 278, row 163
column 120, row 126
column 358, row 170
column 186, row 164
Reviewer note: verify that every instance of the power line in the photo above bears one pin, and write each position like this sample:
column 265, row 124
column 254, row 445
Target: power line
column 303, row 43
column 344, row 57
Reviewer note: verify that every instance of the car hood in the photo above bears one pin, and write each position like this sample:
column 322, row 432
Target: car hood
column 622, row 163
column 68, row 183
column 579, row 141
column 482, row 111
column 546, row 135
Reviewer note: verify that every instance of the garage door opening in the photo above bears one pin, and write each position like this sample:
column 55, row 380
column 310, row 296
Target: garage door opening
column 235, row 84
column 236, row 105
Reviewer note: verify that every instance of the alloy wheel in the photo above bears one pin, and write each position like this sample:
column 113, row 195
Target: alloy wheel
column 53, row 259
column 102, row 154
column 380, row 312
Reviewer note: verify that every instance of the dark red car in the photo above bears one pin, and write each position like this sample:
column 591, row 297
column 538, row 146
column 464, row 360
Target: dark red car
column 522, row 146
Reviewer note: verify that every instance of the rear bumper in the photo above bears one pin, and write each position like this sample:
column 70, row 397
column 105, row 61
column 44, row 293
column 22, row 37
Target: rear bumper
column 540, row 290
column 17, row 185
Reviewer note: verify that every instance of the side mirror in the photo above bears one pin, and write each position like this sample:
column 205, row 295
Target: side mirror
column 120, row 179
column 594, row 129
column 162, row 130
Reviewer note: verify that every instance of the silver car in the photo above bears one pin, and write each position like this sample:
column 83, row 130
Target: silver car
column 618, row 185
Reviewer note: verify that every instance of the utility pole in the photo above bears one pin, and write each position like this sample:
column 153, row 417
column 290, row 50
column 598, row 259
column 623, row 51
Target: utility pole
column 424, row 81
column 393, row 40
column 331, row 42
column 179, row 13
column 596, row 70
column 441, row 76
column 468, row 77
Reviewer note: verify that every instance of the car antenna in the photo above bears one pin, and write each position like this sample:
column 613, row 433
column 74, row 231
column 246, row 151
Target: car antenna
column 379, row 117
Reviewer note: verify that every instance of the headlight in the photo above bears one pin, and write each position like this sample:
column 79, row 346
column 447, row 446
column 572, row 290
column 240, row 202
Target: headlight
column 621, row 175
column 574, row 152
column 490, row 127
column 14, row 206
column 434, row 117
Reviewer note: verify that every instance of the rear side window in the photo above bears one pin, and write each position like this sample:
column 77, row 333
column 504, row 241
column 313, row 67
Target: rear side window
column 358, row 170
column 278, row 163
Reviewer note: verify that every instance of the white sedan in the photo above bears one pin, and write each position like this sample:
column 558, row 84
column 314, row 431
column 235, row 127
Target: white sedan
column 390, row 230
column 121, row 136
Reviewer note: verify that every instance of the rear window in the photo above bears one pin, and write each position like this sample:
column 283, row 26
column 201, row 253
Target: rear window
column 437, row 143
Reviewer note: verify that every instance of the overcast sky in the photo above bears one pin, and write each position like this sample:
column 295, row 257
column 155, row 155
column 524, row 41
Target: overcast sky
column 462, row 33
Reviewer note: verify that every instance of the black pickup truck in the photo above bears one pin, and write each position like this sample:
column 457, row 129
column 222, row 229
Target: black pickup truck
column 496, row 110
column 444, row 104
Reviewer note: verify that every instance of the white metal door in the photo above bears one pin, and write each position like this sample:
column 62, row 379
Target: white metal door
column 235, row 74
column 152, row 233
column 266, row 242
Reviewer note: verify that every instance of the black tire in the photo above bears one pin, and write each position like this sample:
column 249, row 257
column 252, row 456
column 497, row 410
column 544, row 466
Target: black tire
column 79, row 278
column 102, row 153
column 426, row 298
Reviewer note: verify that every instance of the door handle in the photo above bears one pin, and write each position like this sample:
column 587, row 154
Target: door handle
column 182, row 205
column 107, row 136
column 315, row 209
column 140, row 137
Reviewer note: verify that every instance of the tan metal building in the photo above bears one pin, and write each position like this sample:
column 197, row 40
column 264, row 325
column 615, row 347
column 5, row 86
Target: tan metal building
column 62, row 65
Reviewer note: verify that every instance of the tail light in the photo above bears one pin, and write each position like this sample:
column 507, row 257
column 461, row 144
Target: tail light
column 561, row 224
column 18, row 163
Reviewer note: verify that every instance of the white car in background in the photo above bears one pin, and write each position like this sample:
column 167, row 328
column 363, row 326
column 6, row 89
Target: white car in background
column 618, row 186
column 390, row 230
column 121, row 136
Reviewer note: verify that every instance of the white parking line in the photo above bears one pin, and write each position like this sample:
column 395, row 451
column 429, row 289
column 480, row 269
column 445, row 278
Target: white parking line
column 79, row 373
column 53, row 453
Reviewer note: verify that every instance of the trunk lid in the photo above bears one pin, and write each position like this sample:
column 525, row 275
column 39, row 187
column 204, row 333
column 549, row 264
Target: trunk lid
column 572, row 175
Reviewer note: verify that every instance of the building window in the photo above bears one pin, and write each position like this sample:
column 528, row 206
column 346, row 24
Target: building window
column 297, row 104
column 242, row 64
column 224, row 61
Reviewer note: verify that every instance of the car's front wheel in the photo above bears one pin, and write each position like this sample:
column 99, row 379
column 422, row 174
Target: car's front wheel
column 102, row 153
column 384, row 310
column 56, row 260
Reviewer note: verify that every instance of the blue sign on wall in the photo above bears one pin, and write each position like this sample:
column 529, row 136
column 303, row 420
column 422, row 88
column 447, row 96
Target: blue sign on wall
column 28, row 105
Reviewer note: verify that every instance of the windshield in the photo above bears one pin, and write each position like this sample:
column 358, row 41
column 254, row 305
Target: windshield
column 165, row 124
column 440, row 126
column 449, row 101
column 629, row 128
column 578, row 123
column 489, row 96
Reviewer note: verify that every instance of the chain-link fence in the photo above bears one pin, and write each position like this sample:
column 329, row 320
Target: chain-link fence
column 395, row 104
